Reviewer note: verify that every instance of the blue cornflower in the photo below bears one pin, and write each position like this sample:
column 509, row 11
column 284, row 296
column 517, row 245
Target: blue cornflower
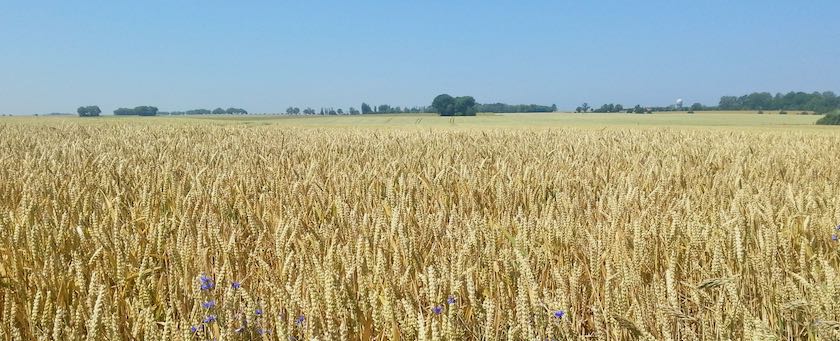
column 437, row 309
column 235, row 285
column 450, row 299
column 193, row 329
column 206, row 282
column 210, row 319
column 209, row 304
column 300, row 320
column 834, row 237
column 837, row 228
column 258, row 312
column 559, row 314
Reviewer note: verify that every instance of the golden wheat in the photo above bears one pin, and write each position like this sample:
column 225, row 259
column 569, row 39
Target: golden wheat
column 162, row 231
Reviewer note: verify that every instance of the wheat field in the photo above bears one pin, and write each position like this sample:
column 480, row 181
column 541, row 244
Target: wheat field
column 171, row 231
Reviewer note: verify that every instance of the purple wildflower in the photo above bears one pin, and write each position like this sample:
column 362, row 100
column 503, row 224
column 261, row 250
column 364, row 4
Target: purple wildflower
column 210, row 319
column 559, row 314
column 193, row 329
column 258, row 312
column 450, row 299
column 300, row 320
column 834, row 237
column 437, row 309
column 235, row 285
column 209, row 304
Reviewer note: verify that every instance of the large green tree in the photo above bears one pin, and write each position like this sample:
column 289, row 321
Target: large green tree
column 446, row 105
column 89, row 111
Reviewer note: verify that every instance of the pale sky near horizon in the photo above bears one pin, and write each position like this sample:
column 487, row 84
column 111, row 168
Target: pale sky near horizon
column 264, row 56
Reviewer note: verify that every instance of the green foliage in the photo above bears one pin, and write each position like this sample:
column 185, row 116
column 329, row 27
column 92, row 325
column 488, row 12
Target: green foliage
column 195, row 112
column 508, row 108
column 124, row 112
column 218, row 111
column 830, row 119
column 815, row 101
column 236, row 111
column 584, row 107
column 638, row 109
column 446, row 105
column 89, row 111
column 366, row 109
column 145, row 110
column 607, row 108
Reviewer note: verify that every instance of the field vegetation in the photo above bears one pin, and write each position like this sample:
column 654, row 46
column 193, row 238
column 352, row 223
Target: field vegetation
column 428, row 229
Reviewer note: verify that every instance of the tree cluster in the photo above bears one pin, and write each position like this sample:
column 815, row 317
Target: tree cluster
column 832, row 118
column 446, row 105
column 143, row 110
column 606, row 108
column 89, row 111
column 816, row 101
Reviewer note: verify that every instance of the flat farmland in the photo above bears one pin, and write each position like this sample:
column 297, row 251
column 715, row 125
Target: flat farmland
column 504, row 227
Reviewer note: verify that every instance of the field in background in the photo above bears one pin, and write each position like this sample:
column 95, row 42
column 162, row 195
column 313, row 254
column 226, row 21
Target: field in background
column 536, row 120
column 604, row 226
column 735, row 119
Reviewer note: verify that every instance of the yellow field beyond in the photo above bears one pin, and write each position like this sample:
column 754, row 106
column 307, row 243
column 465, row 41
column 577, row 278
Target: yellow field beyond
column 508, row 227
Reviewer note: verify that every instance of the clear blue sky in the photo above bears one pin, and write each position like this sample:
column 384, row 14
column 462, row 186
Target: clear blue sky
column 266, row 55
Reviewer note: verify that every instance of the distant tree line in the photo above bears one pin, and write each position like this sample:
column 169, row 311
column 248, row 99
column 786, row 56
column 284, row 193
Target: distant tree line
column 217, row 111
column 322, row 111
column 639, row 109
column 514, row 108
column 146, row 110
column 387, row 109
column 818, row 102
column 143, row 110
column 488, row 108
